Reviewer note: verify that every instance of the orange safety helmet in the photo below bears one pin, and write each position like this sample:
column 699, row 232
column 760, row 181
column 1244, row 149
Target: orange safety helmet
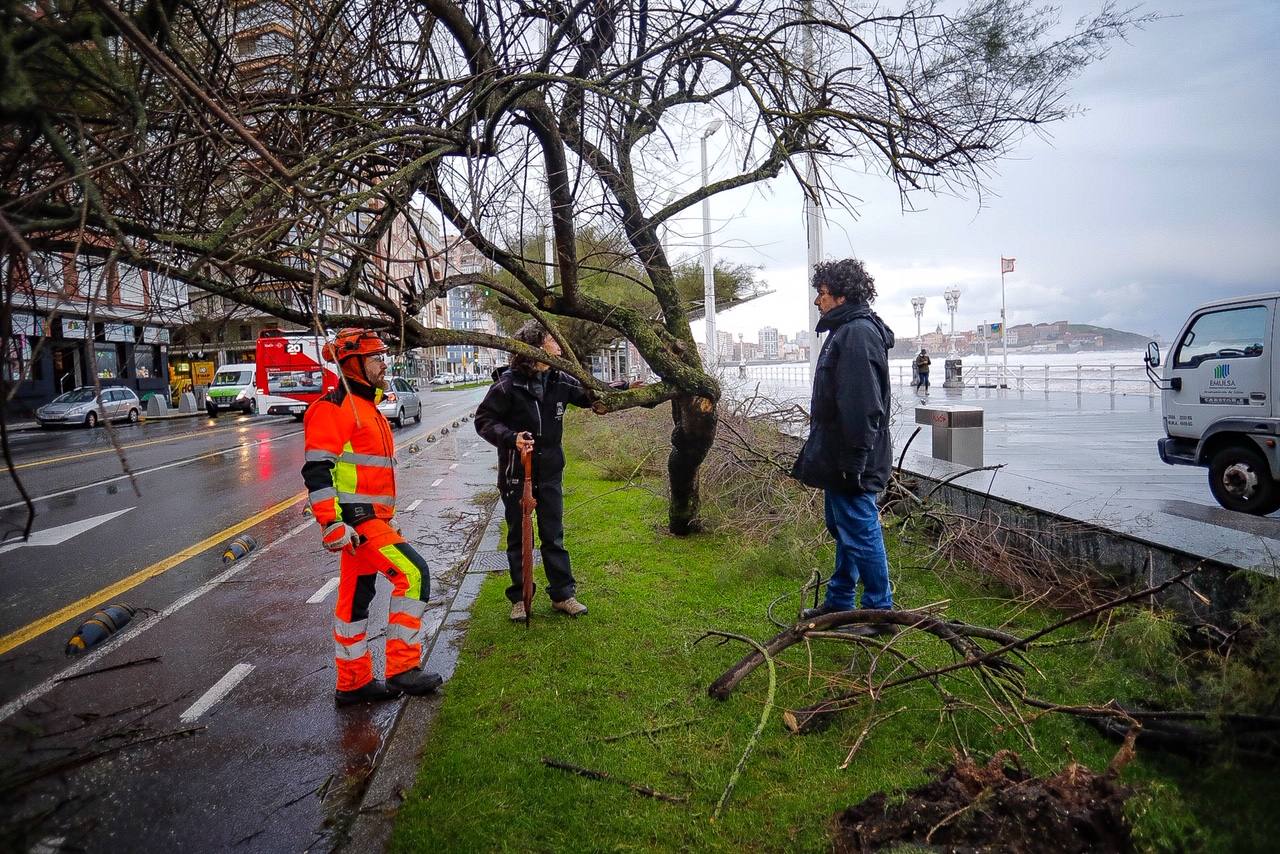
column 354, row 341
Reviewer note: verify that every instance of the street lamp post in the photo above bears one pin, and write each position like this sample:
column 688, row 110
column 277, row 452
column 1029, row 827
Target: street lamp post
column 708, row 275
column 917, row 305
column 952, row 296
column 952, row 378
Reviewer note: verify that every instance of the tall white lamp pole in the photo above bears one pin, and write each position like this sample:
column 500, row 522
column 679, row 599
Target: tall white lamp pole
column 952, row 296
column 708, row 275
column 917, row 305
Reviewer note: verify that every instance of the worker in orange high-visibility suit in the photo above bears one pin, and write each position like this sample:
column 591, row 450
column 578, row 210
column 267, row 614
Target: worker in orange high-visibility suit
column 350, row 475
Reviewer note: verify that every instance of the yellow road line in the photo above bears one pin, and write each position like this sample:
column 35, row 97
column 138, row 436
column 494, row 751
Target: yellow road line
column 60, row 616
column 82, row 454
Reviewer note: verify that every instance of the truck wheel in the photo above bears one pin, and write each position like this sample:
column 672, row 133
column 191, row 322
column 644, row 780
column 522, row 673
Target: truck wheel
column 1240, row 480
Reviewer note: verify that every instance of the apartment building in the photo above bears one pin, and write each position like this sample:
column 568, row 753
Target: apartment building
column 77, row 319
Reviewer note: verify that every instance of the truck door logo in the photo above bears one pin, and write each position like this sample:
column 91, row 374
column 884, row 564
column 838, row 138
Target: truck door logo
column 1222, row 390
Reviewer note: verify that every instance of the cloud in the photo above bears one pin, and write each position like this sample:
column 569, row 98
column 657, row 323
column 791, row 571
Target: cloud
column 1163, row 195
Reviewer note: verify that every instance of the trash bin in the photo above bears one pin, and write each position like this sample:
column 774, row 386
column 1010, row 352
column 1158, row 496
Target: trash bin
column 957, row 431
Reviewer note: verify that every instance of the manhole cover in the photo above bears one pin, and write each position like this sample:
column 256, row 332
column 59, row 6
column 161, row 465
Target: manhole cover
column 496, row 561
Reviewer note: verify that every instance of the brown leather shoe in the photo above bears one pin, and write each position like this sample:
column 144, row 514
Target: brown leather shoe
column 570, row 606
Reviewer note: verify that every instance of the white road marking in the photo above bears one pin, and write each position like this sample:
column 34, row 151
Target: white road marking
column 59, row 535
column 220, row 689
column 413, row 506
column 323, row 593
column 48, row 845
column 137, row 627
column 437, row 481
column 234, row 449
column 452, row 467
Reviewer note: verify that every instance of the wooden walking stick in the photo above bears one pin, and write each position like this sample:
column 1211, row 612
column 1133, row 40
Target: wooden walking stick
column 527, row 503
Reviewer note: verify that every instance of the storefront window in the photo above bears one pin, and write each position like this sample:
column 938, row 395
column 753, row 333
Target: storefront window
column 145, row 362
column 106, row 360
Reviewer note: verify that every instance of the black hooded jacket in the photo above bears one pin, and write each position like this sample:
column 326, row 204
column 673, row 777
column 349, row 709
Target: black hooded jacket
column 520, row 401
column 849, row 448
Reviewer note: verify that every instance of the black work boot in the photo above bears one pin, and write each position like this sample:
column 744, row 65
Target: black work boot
column 824, row 608
column 370, row 692
column 871, row 630
column 416, row 682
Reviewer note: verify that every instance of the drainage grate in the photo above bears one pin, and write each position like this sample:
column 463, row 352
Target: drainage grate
column 496, row 561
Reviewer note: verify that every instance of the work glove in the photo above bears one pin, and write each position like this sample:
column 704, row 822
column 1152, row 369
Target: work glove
column 339, row 536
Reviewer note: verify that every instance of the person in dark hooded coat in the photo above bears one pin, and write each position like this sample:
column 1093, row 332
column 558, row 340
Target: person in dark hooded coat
column 525, row 407
column 848, row 452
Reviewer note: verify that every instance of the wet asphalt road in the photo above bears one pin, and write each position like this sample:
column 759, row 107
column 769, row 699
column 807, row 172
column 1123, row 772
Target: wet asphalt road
column 156, row 756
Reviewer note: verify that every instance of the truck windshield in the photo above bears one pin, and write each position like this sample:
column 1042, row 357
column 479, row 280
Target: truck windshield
column 1236, row 333
column 225, row 378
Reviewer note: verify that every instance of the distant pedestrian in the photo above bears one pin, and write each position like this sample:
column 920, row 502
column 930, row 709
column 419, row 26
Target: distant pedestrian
column 351, row 480
column 848, row 452
column 524, row 408
column 921, row 364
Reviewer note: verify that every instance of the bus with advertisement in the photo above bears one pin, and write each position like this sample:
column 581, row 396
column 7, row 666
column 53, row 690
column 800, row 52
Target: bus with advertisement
column 291, row 373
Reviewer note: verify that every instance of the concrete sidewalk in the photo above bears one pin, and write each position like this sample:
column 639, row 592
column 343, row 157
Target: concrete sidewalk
column 1092, row 459
column 1082, row 457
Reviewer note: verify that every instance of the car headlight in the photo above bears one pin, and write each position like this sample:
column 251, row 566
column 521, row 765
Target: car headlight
column 244, row 393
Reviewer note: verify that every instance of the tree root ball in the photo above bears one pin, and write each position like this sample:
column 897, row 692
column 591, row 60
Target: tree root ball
column 993, row 807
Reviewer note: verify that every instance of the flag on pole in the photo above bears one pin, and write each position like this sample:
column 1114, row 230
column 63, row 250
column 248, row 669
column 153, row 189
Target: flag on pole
column 1006, row 265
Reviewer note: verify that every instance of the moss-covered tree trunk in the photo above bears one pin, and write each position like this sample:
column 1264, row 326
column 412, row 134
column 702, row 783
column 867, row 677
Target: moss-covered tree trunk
column 694, row 417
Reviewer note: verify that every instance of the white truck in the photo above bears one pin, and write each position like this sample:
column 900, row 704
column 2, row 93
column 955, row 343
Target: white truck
column 1219, row 385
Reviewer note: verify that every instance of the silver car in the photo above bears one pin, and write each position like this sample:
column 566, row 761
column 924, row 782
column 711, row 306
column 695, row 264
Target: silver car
column 401, row 402
column 80, row 407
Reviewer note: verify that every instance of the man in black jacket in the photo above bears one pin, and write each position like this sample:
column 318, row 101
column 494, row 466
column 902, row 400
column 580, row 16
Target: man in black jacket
column 525, row 408
column 848, row 452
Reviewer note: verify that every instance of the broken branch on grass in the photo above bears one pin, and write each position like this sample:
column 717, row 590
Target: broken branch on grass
column 872, row 723
column 650, row 731
column 992, row 666
column 609, row 778
column 764, row 716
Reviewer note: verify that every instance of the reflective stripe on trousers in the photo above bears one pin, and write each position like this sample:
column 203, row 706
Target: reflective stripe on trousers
column 387, row 553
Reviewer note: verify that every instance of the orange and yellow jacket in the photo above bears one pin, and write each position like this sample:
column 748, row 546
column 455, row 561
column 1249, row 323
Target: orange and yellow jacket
column 350, row 467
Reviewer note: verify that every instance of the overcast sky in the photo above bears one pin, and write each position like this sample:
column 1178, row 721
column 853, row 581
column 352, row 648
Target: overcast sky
column 1164, row 194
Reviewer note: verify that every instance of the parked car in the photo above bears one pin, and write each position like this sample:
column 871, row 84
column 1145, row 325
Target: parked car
column 232, row 388
column 442, row 379
column 81, row 406
column 401, row 402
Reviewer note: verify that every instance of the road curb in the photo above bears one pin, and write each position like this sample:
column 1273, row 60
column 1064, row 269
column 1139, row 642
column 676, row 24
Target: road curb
column 398, row 762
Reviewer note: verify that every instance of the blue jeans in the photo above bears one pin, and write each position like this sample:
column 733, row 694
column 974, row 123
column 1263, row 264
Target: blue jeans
column 854, row 522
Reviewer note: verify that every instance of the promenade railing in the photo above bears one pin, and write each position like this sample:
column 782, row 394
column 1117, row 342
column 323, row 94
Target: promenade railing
column 1114, row 379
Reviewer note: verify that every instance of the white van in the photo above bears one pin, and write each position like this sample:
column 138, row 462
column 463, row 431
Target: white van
column 232, row 389
column 1219, row 390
